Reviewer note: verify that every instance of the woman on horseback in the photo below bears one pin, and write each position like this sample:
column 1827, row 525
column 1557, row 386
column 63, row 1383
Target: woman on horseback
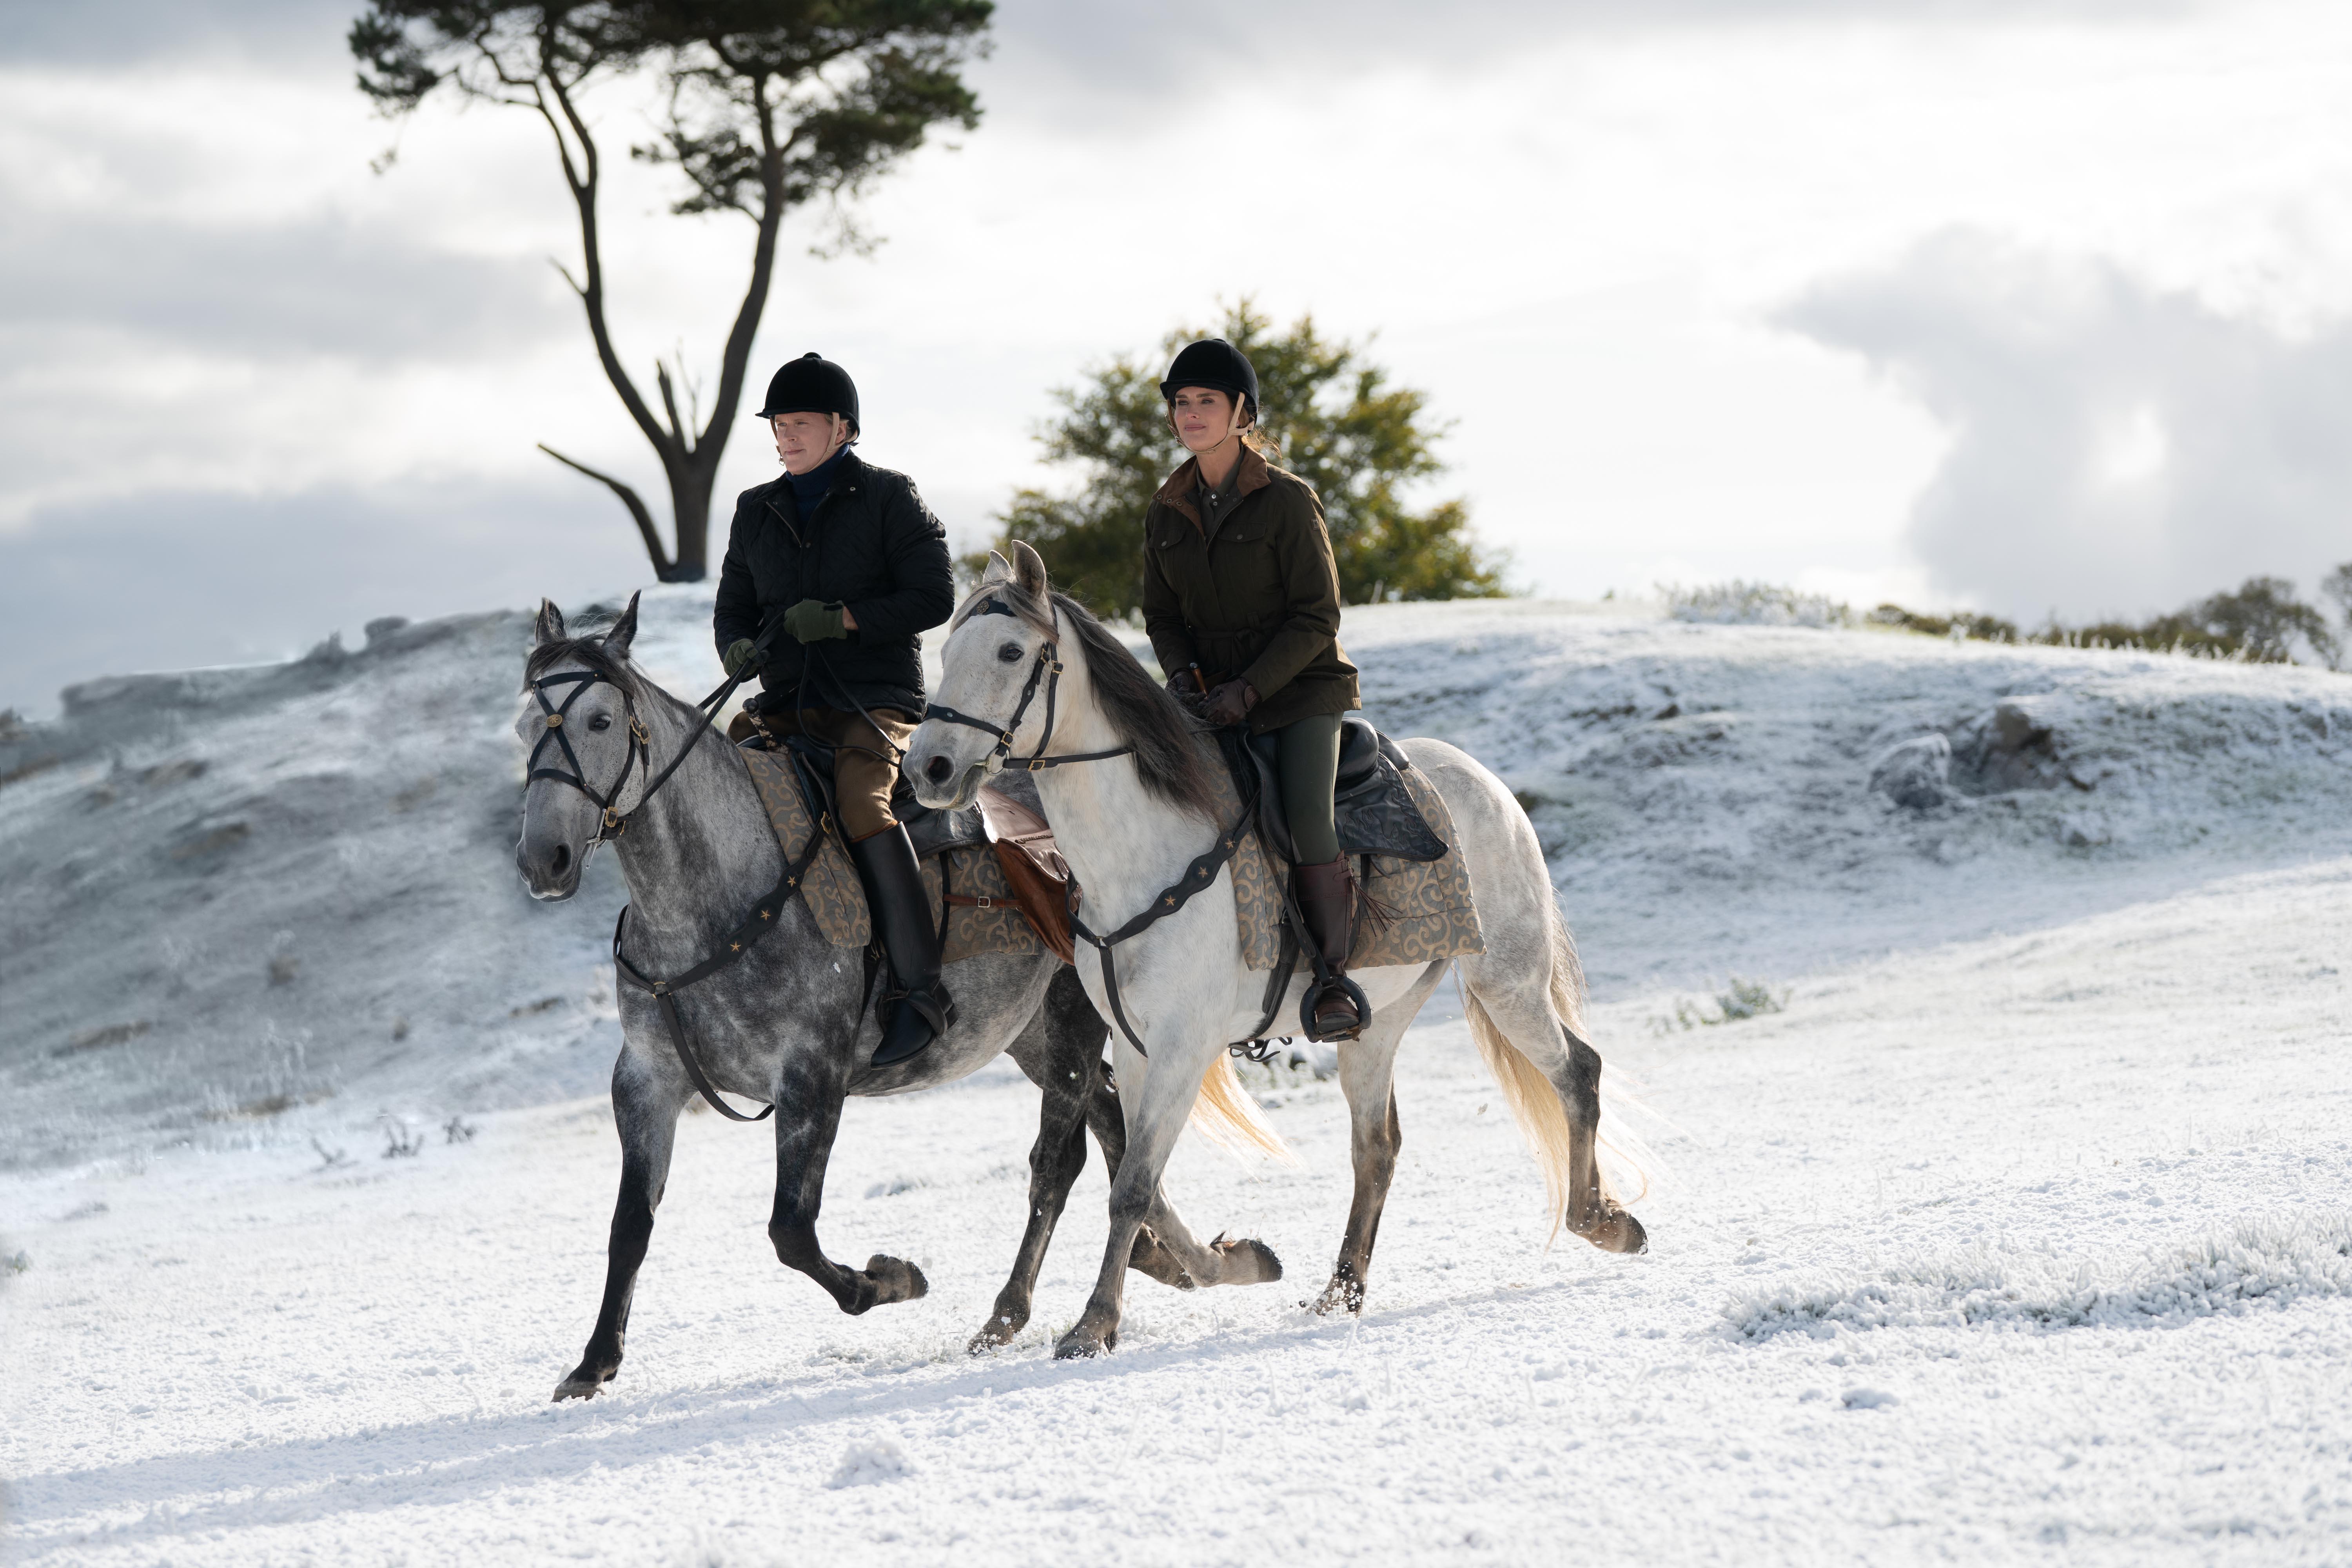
column 1241, row 601
column 857, row 567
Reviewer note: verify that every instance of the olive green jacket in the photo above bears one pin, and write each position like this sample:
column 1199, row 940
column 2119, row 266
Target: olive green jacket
column 1257, row 598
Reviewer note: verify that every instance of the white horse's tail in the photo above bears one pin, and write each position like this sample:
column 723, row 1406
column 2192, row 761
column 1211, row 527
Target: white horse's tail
column 1535, row 1103
column 1227, row 1115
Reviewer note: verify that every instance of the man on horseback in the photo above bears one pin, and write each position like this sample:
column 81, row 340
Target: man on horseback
column 856, row 568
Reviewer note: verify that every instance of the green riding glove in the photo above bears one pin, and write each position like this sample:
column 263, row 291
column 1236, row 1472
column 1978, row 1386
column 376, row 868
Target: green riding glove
column 740, row 653
column 812, row 621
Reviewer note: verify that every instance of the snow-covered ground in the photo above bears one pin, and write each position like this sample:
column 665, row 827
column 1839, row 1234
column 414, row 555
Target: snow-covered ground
column 2022, row 1233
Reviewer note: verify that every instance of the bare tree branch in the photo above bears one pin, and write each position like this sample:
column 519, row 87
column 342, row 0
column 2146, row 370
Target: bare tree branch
column 770, row 104
column 663, row 566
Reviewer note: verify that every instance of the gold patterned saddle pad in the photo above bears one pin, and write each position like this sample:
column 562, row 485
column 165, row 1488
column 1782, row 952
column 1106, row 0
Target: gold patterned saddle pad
column 990, row 922
column 1410, row 912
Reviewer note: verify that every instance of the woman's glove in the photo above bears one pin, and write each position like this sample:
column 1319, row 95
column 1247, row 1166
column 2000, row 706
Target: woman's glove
column 812, row 620
column 741, row 652
column 1231, row 703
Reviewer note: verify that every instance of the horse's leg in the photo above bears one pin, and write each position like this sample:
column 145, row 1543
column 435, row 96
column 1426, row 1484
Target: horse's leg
column 1061, row 1051
column 645, row 1114
column 1527, row 1007
column 1367, row 1075
column 803, row 1147
column 1165, row 1248
column 1155, row 1115
column 1151, row 1257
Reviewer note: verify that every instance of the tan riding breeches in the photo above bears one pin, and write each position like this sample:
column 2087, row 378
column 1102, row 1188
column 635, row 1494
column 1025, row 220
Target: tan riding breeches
column 865, row 765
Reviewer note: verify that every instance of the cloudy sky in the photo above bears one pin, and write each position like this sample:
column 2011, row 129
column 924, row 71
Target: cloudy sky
column 2027, row 306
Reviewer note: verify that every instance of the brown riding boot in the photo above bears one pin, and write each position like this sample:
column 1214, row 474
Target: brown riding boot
column 1327, row 896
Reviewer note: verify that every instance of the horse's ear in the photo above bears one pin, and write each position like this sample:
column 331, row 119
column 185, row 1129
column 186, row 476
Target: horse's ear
column 1000, row 569
column 1029, row 570
column 624, row 632
column 551, row 623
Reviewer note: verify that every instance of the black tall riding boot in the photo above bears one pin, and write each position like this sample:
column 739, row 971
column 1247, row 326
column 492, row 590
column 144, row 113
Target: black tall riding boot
column 916, row 1006
column 1327, row 896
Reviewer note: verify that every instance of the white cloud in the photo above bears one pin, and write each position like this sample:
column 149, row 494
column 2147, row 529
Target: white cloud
column 2117, row 447
column 1570, row 224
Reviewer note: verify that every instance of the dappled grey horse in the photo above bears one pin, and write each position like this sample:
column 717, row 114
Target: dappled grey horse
column 785, row 1024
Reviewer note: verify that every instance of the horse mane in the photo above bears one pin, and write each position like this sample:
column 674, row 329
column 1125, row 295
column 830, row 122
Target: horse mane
column 1175, row 766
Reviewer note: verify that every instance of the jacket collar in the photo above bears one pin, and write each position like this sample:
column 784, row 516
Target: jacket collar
column 1178, row 492
column 847, row 477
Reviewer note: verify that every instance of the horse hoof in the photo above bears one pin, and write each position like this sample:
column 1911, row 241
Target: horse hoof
column 1342, row 1295
column 1248, row 1261
column 577, row 1387
column 996, row 1333
column 1078, row 1345
column 1618, row 1231
column 895, row 1280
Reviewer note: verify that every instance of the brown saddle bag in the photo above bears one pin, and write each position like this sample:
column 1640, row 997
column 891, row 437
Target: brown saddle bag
column 1034, row 866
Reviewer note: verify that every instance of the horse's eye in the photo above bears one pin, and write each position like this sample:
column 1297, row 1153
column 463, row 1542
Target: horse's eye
column 1009, row 654
column 602, row 721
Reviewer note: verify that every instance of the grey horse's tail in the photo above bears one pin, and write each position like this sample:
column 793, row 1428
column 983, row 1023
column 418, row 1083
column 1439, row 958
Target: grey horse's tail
column 1535, row 1103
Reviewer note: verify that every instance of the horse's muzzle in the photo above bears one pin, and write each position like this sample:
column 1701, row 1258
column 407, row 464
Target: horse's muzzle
column 938, row 785
column 551, row 870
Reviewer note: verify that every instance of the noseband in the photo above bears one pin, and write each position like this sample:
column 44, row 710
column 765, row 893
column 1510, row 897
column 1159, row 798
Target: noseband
column 1048, row 669
column 611, row 826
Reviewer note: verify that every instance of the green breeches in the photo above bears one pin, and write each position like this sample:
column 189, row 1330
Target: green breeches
column 1307, row 758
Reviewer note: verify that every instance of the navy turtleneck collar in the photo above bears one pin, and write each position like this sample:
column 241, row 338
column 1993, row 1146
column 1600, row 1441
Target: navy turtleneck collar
column 809, row 488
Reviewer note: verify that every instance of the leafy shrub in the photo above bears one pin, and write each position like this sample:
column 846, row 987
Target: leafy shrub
column 1964, row 623
column 2261, row 622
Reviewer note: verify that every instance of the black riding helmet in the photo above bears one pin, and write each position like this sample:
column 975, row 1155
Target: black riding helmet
column 812, row 385
column 1218, row 365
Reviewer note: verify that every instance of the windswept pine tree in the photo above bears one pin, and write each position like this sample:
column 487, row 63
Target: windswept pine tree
column 768, row 106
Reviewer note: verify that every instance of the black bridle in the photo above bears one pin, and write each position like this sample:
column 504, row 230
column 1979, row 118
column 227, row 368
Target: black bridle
column 614, row 822
column 611, row 822
column 1048, row 669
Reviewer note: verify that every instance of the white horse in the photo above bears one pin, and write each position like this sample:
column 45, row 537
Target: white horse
column 1132, row 822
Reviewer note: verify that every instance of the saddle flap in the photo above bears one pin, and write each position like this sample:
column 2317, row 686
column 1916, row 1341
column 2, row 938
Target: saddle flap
column 1033, row 864
column 1371, row 808
column 1377, row 816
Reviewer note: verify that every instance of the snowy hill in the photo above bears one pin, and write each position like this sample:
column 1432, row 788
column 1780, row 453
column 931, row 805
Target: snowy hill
column 1718, row 798
column 240, row 904
column 234, row 894
column 2023, row 1234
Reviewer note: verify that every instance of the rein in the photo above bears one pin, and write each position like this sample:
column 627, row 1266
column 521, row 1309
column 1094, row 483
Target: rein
column 738, row 941
column 614, row 823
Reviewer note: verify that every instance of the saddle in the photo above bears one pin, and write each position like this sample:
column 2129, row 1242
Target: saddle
column 1007, row 816
column 1371, row 808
